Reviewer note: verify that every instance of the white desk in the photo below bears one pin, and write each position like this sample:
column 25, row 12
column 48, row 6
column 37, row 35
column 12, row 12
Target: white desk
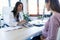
column 20, row 34
column 39, row 21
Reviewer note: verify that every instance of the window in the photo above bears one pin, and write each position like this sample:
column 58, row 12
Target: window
column 32, row 6
column 13, row 2
column 37, row 7
column 3, row 3
column 41, row 6
column 0, row 8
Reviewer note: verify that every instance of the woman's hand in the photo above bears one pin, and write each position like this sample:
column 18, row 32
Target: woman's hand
column 42, row 37
column 22, row 22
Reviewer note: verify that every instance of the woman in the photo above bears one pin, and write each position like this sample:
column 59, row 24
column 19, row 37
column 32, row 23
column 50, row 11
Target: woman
column 17, row 14
column 51, row 27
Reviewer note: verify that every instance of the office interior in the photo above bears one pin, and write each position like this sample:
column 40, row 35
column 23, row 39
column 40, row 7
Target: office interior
column 35, row 11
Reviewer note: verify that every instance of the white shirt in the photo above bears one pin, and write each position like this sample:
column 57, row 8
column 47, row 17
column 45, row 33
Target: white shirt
column 13, row 21
column 21, row 16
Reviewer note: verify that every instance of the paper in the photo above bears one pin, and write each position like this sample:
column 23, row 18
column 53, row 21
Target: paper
column 10, row 28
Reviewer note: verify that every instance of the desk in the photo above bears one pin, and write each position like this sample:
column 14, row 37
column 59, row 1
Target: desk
column 39, row 21
column 20, row 34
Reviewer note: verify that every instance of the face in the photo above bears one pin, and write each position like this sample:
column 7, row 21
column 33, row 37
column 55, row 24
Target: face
column 19, row 8
column 48, row 6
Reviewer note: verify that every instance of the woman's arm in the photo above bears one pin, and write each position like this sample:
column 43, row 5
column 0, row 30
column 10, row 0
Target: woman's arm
column 12, row 20
column 21, row 18
column 45, row 30
column 53, row 29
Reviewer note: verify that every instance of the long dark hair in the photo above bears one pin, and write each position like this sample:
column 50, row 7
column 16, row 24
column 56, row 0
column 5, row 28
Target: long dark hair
column 15, row 8
column 54, row 5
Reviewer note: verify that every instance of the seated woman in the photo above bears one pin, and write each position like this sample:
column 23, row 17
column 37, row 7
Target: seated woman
column 51, row 27
column 17, row 15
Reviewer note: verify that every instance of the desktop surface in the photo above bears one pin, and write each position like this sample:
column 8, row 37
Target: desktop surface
column 21, row 34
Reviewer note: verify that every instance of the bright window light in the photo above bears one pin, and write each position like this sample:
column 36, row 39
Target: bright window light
column 13, row 2
column 3, row 3
column 41, row 6
column 32, row 6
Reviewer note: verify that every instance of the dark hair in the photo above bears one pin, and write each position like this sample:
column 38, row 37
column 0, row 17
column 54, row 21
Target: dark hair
column 54, row 5
column 15, row 8
column 46, row 1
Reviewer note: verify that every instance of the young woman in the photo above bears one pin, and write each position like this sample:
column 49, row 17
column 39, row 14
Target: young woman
column 17, row 14
column 52, row 26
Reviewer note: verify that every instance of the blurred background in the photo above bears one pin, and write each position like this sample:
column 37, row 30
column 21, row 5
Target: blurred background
column 32, row 7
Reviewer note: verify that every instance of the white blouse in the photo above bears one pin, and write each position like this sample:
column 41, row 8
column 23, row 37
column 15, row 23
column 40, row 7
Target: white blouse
column 13, row 21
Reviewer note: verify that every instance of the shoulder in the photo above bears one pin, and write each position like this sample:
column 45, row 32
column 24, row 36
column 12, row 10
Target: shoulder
column 54, row 19
column 56, row 16
column 11, row 14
